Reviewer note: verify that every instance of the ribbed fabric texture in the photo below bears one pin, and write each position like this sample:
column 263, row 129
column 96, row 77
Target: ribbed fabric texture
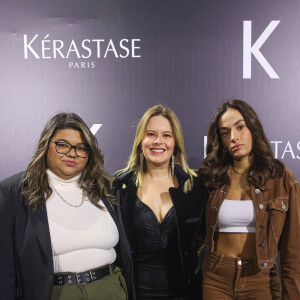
column 82, row 238
column 237, row 216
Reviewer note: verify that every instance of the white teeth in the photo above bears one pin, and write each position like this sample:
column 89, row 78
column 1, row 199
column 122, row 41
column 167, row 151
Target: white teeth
column 157, row 150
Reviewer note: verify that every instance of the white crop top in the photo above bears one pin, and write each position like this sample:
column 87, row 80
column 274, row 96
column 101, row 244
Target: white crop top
column 237, row 216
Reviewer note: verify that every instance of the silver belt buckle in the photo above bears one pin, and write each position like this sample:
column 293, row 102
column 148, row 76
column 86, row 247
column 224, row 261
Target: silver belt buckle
column 78, row 279
column 92, row 277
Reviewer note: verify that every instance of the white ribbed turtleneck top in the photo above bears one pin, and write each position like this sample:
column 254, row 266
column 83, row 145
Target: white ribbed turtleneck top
column 82, row 238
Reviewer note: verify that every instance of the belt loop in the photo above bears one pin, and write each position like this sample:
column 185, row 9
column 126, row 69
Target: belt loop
column 220, row 259
column 218, row 262
column 111, row 267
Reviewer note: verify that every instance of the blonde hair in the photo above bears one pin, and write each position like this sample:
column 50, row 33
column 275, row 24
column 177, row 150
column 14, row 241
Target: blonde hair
column 133, row 163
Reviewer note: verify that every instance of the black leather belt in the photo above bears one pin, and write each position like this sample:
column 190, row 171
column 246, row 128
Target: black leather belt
column 82, row 277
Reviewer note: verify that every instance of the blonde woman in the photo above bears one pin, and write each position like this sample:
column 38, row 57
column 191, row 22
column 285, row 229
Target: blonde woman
column 160, row 203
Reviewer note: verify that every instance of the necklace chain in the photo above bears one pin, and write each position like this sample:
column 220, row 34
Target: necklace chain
column 243, row 174
column 62, row 198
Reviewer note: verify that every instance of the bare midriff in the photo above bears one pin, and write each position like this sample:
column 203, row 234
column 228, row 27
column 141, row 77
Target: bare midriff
column 236, row 244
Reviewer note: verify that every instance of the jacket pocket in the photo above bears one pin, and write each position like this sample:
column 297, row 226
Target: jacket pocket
column 212, row 263
column 277, row 214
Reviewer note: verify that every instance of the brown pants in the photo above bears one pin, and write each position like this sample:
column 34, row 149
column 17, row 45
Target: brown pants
column 237, row 278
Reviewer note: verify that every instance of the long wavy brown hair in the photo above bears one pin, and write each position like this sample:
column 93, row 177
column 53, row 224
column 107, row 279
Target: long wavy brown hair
column 94, row 180
column 214, row 169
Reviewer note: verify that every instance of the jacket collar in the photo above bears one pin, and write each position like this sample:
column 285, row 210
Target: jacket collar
column 181, row 175
column 127, row 177
column 39, row 221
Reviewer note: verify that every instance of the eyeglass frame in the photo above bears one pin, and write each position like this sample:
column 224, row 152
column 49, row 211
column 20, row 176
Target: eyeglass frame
column 72, row 147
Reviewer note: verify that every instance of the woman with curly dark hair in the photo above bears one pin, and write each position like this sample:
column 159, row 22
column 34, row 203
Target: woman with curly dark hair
column 59, row 235
column 253, row 211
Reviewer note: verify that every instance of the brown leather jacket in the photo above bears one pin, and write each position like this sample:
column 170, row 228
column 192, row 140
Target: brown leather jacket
column 277, row 207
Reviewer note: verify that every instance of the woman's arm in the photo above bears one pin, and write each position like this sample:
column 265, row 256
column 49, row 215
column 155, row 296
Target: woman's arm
column 7, row 257
column 290, row 245
column 202, row 198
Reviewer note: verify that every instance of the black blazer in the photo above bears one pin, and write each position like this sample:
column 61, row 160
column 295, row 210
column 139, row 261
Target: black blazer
column 26, row 262
column 190, row 210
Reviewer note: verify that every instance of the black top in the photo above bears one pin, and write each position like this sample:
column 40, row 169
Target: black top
column 189, row 209
column 156, row 255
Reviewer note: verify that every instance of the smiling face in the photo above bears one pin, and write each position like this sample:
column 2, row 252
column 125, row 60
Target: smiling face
column 158, row 143
column 235, row 135
column 67, row 165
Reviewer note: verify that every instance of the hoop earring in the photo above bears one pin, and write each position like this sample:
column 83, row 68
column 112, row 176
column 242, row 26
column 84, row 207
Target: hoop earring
column 172, row 165
column 142, row 162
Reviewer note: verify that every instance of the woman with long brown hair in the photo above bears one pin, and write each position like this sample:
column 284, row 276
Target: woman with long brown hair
column 161, row 204
column 59, row 235
column 253, row 211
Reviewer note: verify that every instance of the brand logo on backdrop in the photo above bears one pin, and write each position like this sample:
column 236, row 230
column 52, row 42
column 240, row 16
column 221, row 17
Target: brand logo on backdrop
column 286, row 149
column 80, row 54
column 94, row 129
column 281, row 149
column 249, row 49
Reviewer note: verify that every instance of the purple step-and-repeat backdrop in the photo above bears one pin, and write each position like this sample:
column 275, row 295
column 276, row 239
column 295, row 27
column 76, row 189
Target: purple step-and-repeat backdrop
column 110, row 60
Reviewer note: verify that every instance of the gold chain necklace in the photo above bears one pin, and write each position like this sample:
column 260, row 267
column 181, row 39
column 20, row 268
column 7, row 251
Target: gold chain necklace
column 243, row 174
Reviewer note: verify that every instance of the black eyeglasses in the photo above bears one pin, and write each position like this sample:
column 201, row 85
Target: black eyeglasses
column 65, row 147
